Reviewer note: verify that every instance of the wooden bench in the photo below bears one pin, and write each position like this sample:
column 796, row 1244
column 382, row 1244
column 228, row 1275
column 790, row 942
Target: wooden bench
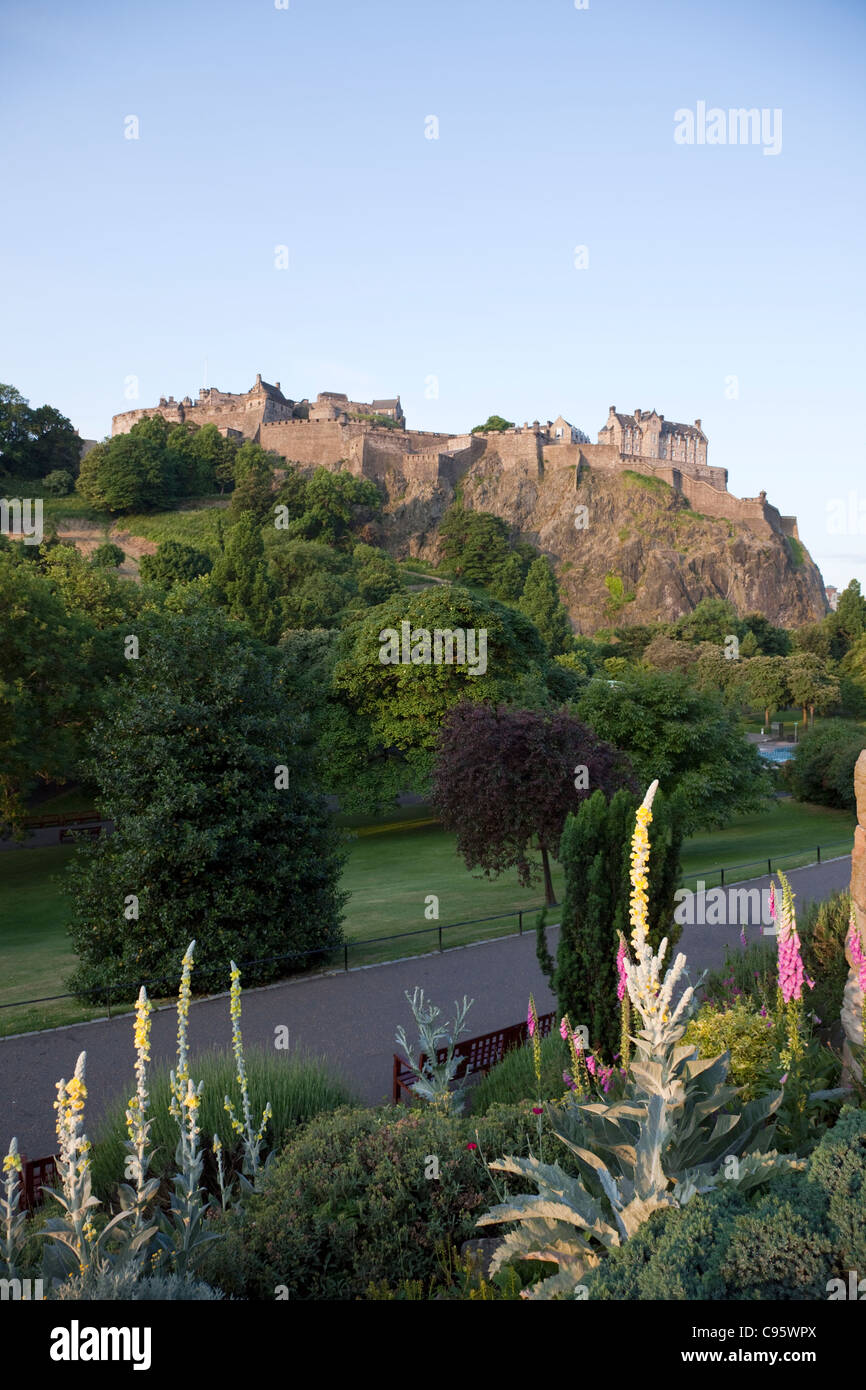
column 474, row 1054
column 36, row 1173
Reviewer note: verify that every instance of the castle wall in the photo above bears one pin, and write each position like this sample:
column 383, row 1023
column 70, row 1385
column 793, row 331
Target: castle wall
column 238, row 414
column 123, row 423
column 514, row 449
column 311, row 443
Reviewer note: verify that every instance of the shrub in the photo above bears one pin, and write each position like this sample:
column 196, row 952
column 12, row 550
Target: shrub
column 748, row 1036
column 348, row 1203
column 107, row 556
column 297, row 1086
column 174, row 563
column 121, row 1285
column 822, row 768
column 594, row 852
column 823, row 929
column 786, row 1244
column 58, row 483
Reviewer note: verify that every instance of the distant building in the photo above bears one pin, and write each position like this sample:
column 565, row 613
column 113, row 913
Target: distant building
column 832, row 596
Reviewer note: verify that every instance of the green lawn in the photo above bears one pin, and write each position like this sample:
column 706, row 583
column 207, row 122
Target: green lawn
column 395, row 863
column 790, row 833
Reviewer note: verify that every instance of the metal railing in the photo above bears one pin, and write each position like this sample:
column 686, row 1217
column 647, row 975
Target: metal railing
column 128, row 991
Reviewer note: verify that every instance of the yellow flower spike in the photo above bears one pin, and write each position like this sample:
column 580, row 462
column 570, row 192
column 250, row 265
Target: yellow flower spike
column 640, row 849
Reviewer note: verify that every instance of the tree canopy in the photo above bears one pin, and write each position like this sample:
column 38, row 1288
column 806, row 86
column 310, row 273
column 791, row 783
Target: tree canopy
column 506, row 778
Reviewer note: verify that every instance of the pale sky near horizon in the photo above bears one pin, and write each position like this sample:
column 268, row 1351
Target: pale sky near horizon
column 722, row 282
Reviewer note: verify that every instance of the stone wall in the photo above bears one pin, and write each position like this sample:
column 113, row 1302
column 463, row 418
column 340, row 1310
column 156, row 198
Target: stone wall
column 241, row 415
column 852, row 1002
column 518, row 449
column 313, row 443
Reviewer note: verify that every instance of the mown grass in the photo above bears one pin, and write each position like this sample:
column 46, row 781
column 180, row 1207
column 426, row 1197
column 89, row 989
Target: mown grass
column 789, row 834
column 396, row 864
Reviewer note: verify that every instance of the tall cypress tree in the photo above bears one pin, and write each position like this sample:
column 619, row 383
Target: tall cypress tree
column 595, row 854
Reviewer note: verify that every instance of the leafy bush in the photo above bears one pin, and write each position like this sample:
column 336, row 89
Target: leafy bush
column 349, row 1203
column 823, row 928
column 749, row 1037
column 822, row 768
column 787, row 1244
column 58, row 483
column 297, row 1086
column 107, row 556
column 174, row 563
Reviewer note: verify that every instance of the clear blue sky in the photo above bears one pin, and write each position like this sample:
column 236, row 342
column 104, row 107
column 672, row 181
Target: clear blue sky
column 454, row 258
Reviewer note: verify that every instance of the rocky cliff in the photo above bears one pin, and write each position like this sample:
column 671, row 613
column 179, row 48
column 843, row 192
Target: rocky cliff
column 626, row 548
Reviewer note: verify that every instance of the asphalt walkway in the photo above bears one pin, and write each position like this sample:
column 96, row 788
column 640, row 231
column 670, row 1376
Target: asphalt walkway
column 349, row 1017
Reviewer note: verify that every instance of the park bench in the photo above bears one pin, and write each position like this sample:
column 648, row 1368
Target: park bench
column 474, row 1054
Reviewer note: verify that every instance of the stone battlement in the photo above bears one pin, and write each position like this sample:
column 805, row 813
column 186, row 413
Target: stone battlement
column 328, row 433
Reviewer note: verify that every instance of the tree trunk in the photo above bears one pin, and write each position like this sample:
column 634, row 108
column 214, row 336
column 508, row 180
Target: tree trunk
column 805, row 720
column 767, row 719
column 549, row 895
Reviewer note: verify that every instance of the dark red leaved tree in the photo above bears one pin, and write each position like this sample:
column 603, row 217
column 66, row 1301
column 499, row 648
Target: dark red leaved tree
column 506, row 779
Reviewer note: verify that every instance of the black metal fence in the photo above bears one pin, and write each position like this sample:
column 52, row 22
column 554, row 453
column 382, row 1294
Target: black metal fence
column 325, row 957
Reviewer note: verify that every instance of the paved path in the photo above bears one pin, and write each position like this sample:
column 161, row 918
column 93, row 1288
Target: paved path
column 349, row 1017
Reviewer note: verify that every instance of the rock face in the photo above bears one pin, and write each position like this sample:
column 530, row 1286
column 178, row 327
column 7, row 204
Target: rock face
column 852, row 1001
column 627, row 549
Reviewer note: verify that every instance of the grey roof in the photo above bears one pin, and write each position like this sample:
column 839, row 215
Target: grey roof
column 388, row 405
column 271, row 390
column 668, row 426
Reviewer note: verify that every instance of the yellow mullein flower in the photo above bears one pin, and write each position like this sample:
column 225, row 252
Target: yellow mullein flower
column 640, row 850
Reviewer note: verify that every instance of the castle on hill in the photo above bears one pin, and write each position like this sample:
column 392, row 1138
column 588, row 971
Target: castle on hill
column 371, row 439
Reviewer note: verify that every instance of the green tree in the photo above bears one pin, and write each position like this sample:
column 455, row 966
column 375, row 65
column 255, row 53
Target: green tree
column 392, row 711
column 35, row 442
column 494, row 424
column 848, row 623
column 810, row 684
column 174, row 563
column 241, row 582
column 58, row 483
column 376, row 575
column 541, row 604
column 254, row 482
column 328, row 506
column 53, row 670
column 107, row 556
column 812, row 637
column 107, row 599
column 822, row 768
column 711, row 620
column 14, row 425
column 132, row 472
column 220, row 832
column 507, row 579
column 595, row 855
column 687, row 738
column 766, row 684
column 770, row 640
